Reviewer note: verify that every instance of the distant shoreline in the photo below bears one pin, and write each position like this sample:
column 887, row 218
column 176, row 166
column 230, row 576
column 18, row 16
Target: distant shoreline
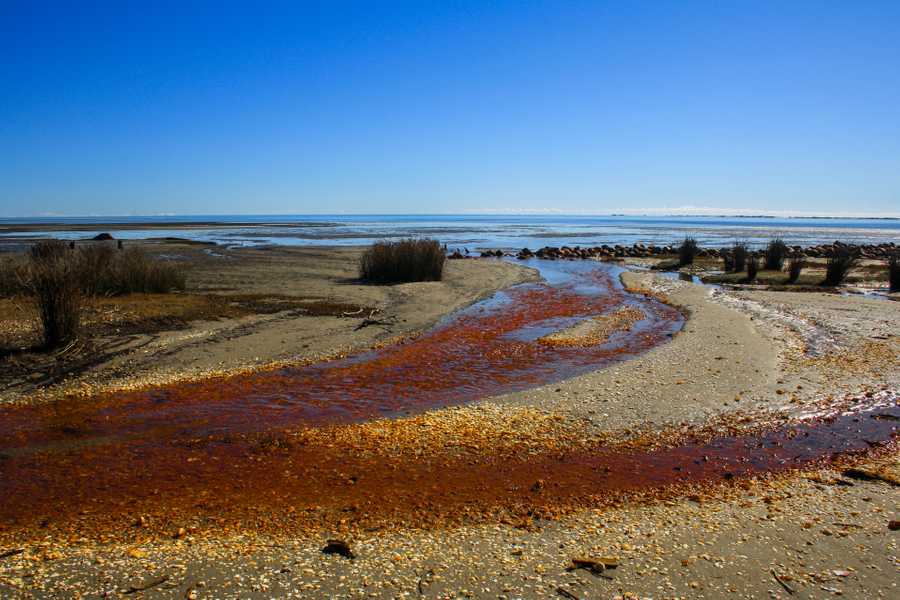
column 36, row 226
column 461, row 230
column 74, row 222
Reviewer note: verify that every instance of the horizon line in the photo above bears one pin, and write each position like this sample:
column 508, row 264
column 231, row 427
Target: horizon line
column 708, row 212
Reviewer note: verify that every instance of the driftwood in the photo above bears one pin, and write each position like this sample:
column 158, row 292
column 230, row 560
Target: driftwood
column 782, row 583
column 371, row 320
column 594, row 566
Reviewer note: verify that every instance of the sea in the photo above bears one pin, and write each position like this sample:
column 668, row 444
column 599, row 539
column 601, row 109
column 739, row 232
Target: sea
column 471, row 232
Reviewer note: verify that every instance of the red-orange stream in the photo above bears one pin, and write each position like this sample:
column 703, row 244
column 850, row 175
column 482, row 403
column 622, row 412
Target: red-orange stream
column 289, row 450
column 487, row 349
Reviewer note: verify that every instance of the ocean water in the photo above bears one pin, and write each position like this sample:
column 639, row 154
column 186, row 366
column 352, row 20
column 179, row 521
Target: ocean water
column 466, row 231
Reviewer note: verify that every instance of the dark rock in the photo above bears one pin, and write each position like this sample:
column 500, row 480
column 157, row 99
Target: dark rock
column 338, row 547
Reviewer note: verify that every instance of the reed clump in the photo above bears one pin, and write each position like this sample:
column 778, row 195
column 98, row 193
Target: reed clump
column 795, row 266
column 840, row 262
column 106, row 271
column 739, row 254
column 752, row 268
column 12, row 276
column 687, row 251
column 133, row 271
column 403, row 261
column 776, row 253
column 894, row 272
column 57, row 278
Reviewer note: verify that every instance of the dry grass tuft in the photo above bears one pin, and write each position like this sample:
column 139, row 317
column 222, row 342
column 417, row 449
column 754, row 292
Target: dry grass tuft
column 795, row 266
column 12, row 276
column 894, row 272
column 839, row 264
column 52, row 279
column 776, row 253
column 752, row 269
column 403, row 261
column 687, row 251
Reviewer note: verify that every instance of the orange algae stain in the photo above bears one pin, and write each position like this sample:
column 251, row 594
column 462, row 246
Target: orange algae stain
column 486, row 350
column 288, row 449
column 347, row 476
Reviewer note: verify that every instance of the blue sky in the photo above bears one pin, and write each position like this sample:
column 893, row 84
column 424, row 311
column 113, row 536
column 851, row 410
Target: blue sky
column 384, row 107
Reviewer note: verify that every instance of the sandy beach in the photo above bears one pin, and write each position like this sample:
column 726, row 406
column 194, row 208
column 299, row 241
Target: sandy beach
column 746, row 361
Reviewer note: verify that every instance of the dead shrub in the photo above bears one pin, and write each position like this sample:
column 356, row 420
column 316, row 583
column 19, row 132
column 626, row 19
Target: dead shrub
column 52, row 280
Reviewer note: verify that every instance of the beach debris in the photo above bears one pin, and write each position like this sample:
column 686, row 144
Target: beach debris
column 566, row 593
column 335, row 546
column 841, row 573
column 424, row 580
column 782, row 582
column 146, row 586
column 863, row 474
column 596, row 566
column 11, row 552
column 894, row 525
column 371, row 320
column 886, row 416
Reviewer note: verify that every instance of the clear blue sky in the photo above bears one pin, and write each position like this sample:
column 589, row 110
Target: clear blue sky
column 448, row 106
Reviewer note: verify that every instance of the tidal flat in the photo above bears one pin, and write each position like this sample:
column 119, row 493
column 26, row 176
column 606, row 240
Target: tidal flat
column 731, row 441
